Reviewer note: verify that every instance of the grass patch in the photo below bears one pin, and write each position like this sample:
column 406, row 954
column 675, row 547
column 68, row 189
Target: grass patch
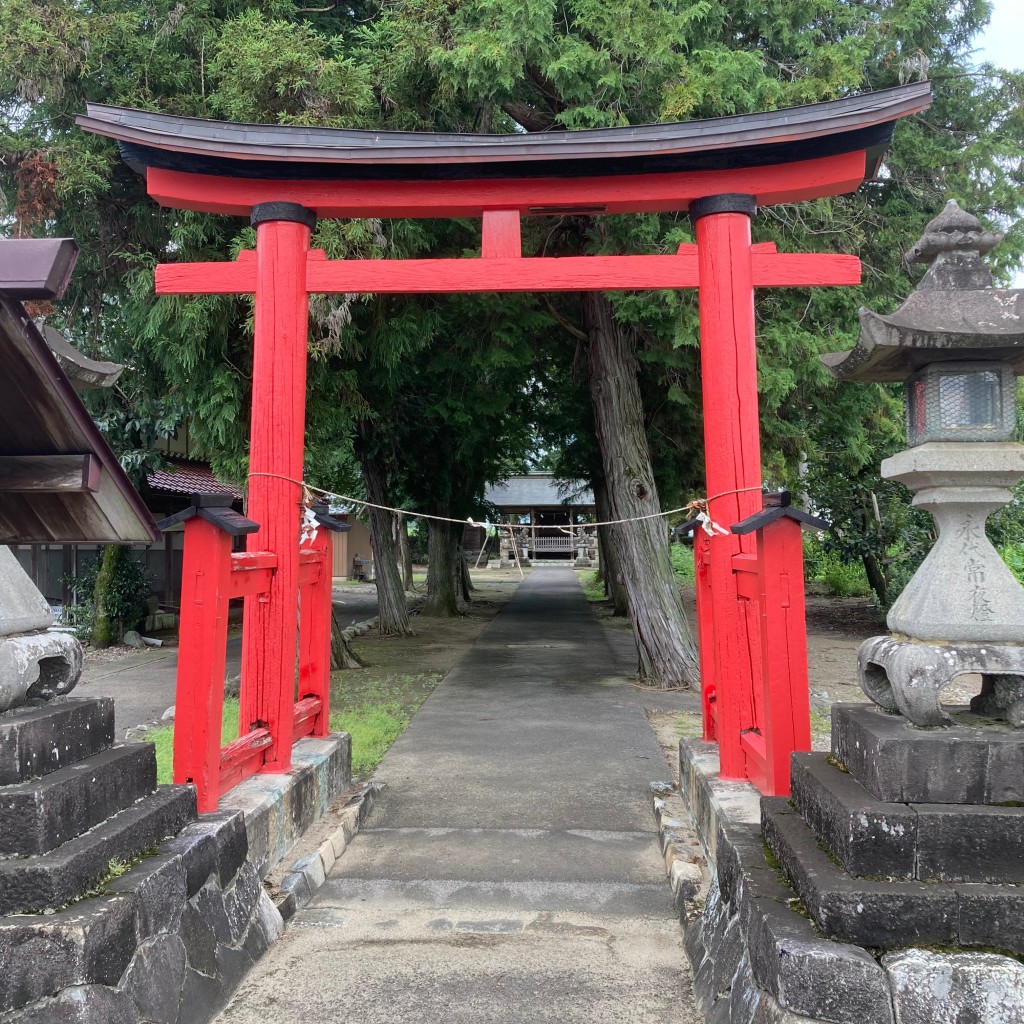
column 373, row 729
column 163, row 740
column 593, row 588
column 682, row 565
column 374, row 707
column 821, row 722
column 373, row 711
column 689, row 725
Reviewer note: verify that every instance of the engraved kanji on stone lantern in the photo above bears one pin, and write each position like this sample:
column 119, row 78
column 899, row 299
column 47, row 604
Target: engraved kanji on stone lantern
column 958, row 343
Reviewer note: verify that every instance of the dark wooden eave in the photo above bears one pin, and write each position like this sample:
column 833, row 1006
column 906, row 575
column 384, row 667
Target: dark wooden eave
column 200, row 146
column 42, row 419
column 36, row 268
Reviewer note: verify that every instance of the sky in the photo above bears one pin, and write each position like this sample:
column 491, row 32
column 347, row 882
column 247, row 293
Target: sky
column 1002, row 43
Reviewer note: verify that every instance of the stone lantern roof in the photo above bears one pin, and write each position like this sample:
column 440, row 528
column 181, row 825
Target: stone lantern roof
column 953, row 315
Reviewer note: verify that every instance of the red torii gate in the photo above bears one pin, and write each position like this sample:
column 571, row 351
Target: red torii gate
column 283, row 178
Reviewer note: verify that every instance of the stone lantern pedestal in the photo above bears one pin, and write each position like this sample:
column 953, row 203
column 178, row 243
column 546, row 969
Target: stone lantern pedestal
column 963, row 611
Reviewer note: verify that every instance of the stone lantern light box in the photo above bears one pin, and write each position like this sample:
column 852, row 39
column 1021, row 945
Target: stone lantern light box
column 963, row 401
column 958, row 345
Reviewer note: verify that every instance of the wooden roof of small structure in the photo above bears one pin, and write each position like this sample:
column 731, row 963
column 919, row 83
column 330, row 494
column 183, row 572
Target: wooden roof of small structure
column 59, row 480
column 538, row 491
column 171, row 142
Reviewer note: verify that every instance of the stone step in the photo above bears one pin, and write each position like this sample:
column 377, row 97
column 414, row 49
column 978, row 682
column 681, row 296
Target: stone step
column 975, row 761
column 453, row 897
column 504, row 855
column 42, row 814
column 868, row 837
column 40, row 740
column 928, row 842
column 884, row 914
column 53, row 879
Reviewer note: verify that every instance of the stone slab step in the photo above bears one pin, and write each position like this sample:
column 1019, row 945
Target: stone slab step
column 867, row 836
column 975, row 761
column 39, row 815
column 505, row 854
column 884, row 914
column 929, row 842
column 37, row 741
column 454, row 897
column 510, row 969
column 32, row 884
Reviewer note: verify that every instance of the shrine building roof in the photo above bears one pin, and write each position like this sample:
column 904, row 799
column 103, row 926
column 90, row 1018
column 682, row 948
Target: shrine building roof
column 169, row 142
column 59, row 480
column 538, row 490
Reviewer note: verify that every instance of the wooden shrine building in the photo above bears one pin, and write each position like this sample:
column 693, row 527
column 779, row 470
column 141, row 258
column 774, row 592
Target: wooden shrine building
column 548, row 520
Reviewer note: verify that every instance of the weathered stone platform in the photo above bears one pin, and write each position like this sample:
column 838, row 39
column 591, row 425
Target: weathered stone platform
column 786, row 935
column 122, row 906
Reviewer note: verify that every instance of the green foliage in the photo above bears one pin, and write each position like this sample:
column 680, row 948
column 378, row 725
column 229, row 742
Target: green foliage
column 824, row 568
column 1013, row 555
column 682, row 565
column 593, row 587
column 124, row 584
column 455, row 391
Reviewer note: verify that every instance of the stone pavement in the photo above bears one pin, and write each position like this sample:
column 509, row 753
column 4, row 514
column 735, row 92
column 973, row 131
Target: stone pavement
column 510, row 871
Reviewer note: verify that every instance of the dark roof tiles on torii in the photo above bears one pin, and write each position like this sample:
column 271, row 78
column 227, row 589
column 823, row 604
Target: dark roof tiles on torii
column 862, row 122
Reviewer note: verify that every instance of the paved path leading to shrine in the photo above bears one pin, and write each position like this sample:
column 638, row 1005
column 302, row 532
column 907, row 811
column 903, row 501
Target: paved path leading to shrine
column 510, row 871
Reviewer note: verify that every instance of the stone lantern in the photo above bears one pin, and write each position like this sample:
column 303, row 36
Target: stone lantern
column 958, row 343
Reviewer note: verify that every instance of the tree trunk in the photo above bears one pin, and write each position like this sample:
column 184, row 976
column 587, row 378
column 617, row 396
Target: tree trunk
column 467, row 580
column 608, row 537
column 342, row 656
column 405, row 548
column 876, row 579
column 102, row 623
column 391, row 605
column 442, row 598
column 666, row 651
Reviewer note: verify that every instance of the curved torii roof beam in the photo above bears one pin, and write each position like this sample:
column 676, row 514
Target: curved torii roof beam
column 776, row 156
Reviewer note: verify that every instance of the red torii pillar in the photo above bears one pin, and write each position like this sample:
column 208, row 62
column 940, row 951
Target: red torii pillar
column 732, row 457
column 270, row 622
column 723, row 264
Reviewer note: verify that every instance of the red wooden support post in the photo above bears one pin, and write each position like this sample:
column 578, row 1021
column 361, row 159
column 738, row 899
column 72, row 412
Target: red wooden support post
column 320, row 640
column 731, row 446
column 315, row 632
column 705, row 633
column 270, row 628
column 199, row 701
column 786, row 716
column 501, row 235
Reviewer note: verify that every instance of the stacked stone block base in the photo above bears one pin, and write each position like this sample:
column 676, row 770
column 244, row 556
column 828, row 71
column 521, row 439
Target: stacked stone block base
column 765, row 950
column 121, row 906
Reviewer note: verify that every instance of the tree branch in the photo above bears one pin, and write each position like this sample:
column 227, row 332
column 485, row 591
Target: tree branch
column 567, row 325
column 529, row 117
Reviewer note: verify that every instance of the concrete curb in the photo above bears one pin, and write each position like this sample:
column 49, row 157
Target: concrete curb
column 299, row 883
column 685, row 861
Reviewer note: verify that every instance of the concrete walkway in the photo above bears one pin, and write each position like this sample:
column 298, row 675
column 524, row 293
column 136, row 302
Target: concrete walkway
column 510, row 871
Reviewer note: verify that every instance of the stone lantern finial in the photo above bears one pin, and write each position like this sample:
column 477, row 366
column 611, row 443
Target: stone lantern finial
column 954, row 244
